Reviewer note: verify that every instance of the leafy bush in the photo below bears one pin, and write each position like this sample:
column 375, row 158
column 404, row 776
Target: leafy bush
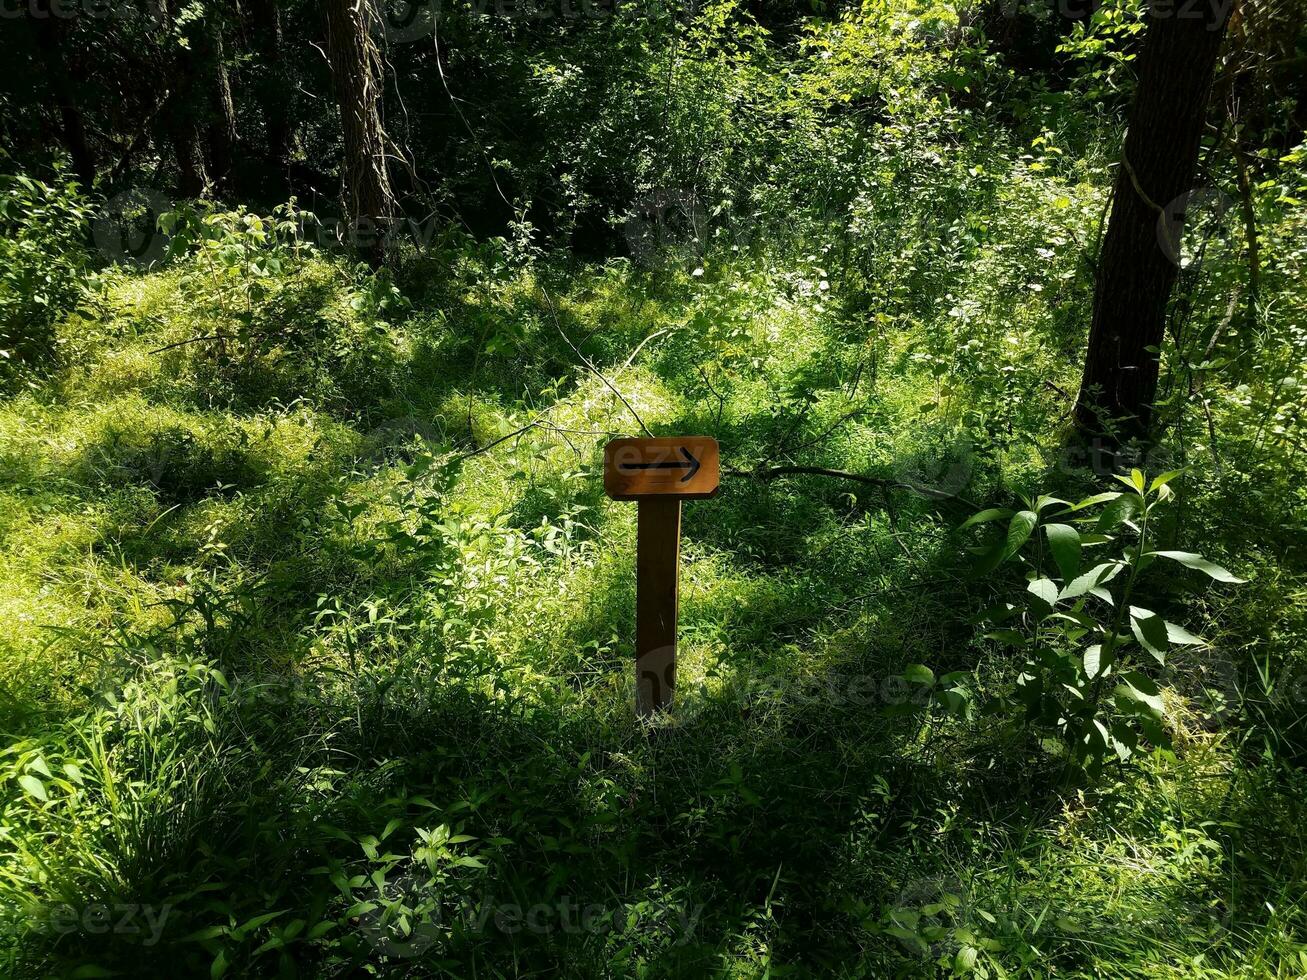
column 44, row 268
column 1077, row 634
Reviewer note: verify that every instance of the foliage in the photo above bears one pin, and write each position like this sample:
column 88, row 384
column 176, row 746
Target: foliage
column 318, row 642
column 1072, row 627
column 45, row 268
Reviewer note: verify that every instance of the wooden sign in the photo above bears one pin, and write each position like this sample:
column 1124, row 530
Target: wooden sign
column 687, row 467
column 659, row 474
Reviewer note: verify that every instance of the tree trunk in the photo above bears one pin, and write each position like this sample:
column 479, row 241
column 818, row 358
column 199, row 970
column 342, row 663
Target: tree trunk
column 1140, row 257
column 49, row 29
column 181, row 118
column 220, row 110
column 192, row 176
column 275, row 85
column 356, row 68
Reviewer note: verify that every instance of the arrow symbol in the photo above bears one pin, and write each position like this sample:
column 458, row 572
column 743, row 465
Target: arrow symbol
column 690, row 464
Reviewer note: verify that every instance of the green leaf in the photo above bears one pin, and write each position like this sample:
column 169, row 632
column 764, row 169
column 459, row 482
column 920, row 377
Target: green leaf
column 1097, row 498
column 1064, row 543
column 207, row 933
column 1150, row 630
column 1093, row 660
column 1045, row 589
column 1211, row 569
column 965, row 960
column 1096, row 576
column 1018, row 532
column 992, row 514
column 254, row 923
column 320, row 930
column 1101, row 593
column 1120, row 510
column 1163, row 480
column 1137, row 688
column 1010, row 637
column 1181, row 636
column 34, row 786
column 919, row 674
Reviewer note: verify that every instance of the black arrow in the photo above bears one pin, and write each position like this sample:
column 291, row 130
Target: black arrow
column 691, row 464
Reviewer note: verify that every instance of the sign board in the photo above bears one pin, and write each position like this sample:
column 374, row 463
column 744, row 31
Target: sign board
column 659, row 474
column 685, row 467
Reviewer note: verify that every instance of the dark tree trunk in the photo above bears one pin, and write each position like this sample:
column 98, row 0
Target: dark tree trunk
column 356, row 68
column 49, row 31
column 1140, row 257
column 220, row 110
column 181, row 114
column 192, row 175
column 275, row 85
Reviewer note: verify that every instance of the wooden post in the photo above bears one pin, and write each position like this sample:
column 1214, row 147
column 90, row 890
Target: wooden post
column 657, row 572
column 659, row 474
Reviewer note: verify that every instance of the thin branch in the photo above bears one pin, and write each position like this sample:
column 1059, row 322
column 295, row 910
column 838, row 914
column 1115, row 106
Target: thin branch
column 590, row 364
column 829, row 430
column 189, row 340
column 630, row 360
column 721, row 399
column 775, row 472
column 502, row 439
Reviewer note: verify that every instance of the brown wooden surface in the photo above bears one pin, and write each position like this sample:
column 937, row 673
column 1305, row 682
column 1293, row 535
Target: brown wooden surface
column 657, row 568
column 685, row 467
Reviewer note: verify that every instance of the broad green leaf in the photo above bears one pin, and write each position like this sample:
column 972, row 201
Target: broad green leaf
column 1181, row 636
column 965, row 960
column 1045, row 589
column 1093, row 660
column 1124, row 739
column 1018, row 532
column 1150, row 630
column 1064, row 543
column 1044, row 500
column 1163, row 480
column 259, row 920
column 992, row 514
column 919, row 674
column 1124, row 479
column 319, row 930
column 208, row 932
column 1211, row 569
column 1097, row 498
column 1010, row 637
column 33, row 786
column 1120, row 510
column 1140, row 689
column 1096, row 576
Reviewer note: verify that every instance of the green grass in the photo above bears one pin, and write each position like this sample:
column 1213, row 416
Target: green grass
column 290, row 646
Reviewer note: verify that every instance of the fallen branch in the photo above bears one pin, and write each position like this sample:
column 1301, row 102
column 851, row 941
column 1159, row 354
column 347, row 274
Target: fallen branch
column 775, row 472
column 189, row 340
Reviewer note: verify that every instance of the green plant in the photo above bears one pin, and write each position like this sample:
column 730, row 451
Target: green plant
column 44, row 267
column 1082, row 636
